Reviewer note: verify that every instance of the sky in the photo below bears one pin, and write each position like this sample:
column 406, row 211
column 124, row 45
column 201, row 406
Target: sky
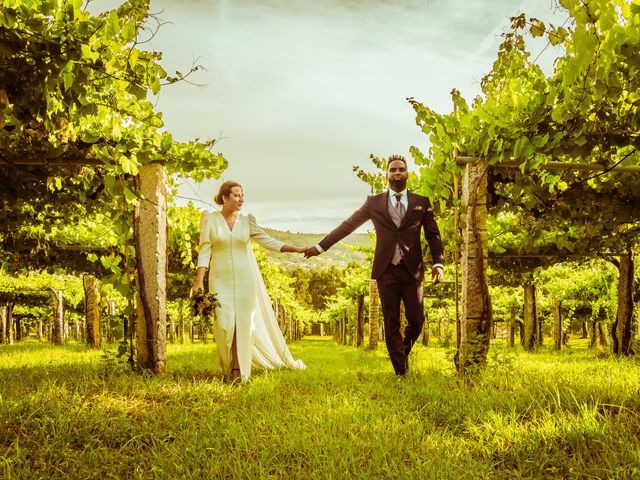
column 300, row 91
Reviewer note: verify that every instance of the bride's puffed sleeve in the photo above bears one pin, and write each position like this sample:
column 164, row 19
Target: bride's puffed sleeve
column 204, row 251
column 261, row 237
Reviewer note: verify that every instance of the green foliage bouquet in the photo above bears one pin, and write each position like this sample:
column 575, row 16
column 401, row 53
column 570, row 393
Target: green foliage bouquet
column 204, row 304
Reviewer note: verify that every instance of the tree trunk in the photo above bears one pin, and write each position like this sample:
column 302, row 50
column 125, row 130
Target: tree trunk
column 530, row 340
column 603, row 336
column 585, row 330
column 476, row 315
column 18, row 329
column 150, row 234
column 283, row 321
column 3, row 324
column 621, row 331
column 292, row 327
column 540, row 337
column 374, row 310
column 40, row 330
column 592, row 333
column 343, row 329
column 556, row 306
column 425, row 331
column 512, row 331
column 92, row 310
column 111, row 320
column 360, row 321
column 521, row 333
column 181, row 320
column 172, row 331
column 58, row 317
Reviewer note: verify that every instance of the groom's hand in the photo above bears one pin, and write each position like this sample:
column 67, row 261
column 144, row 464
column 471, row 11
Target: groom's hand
column 311, row 252
column 437, row 274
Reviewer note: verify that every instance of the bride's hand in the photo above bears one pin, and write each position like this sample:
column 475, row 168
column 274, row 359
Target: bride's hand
column 195, row 289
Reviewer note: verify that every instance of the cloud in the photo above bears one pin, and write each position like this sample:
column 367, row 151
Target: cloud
column 301, row 91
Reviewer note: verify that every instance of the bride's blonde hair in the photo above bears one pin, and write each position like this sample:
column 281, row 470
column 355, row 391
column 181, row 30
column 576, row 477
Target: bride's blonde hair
column 225, row 191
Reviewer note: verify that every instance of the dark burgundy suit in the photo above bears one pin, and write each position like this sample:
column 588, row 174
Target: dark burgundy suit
column 402, row 282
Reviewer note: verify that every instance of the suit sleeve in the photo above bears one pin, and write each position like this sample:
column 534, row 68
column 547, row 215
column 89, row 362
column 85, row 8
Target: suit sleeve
column 261, row 237
column 432, row 234
column 347, row 227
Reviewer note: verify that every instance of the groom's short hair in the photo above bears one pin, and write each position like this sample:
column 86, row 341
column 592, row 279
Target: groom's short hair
column 396, row 157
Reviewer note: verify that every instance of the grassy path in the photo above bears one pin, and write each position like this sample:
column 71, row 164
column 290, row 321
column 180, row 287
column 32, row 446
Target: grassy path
column 66, row 413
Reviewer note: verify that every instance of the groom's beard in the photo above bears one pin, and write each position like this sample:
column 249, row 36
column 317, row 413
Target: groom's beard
column 398, row 185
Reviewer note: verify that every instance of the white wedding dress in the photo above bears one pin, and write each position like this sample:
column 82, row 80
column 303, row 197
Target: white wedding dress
column 236, row 281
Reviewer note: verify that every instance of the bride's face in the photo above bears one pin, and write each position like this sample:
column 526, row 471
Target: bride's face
column 235, row 199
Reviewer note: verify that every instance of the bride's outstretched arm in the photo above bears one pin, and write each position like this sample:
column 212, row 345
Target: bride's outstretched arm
column 293, row 249
column 268, row 242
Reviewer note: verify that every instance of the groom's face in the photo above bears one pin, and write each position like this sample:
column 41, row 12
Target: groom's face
column 397, row 175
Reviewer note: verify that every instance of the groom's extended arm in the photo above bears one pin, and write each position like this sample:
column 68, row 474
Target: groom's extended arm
column 345, row 228
column 432, row 235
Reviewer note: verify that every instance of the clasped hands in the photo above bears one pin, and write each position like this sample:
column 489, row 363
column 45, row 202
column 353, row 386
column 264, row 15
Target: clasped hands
column 306, row 251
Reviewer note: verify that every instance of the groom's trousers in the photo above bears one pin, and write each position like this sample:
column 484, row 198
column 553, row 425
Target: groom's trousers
column 394, row 286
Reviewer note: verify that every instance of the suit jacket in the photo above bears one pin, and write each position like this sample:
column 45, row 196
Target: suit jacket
column 419, row 216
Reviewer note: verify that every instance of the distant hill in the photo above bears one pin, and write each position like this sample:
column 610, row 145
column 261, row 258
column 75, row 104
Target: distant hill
column 337, row 255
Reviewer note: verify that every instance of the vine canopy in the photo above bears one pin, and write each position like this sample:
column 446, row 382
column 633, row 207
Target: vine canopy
column 587, row 111
column 74, row 87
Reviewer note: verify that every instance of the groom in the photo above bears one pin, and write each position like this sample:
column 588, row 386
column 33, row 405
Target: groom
column 397, row 216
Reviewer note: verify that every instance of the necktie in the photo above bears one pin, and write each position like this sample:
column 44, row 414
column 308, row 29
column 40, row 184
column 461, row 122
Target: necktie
column 397, row 255
column 399, row 205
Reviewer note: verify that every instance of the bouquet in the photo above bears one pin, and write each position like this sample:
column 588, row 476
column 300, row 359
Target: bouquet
column 204, row 304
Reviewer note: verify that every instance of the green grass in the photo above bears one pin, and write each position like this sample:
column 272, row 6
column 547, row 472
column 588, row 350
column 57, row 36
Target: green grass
column 66, row 413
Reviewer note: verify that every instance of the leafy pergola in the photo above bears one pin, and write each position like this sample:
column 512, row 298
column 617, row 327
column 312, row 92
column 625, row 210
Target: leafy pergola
column 560, row 152
column 80, row 139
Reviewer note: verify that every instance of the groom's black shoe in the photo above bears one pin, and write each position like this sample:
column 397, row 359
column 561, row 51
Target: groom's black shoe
column 401, row 372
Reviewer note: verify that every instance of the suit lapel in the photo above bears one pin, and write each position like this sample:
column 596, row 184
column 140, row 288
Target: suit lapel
column 383, row 204
column 411, row 203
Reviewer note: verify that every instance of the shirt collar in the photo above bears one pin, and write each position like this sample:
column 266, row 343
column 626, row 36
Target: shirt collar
column 393, row 192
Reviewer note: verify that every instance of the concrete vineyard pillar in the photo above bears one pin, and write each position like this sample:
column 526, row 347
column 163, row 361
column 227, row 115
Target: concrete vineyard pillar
column 475, row 316
column 150, row 233
column 92, row 311
column 58, row 317
column 530, row 338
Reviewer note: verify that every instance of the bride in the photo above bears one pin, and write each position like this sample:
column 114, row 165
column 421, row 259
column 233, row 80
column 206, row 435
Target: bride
column 246, row 330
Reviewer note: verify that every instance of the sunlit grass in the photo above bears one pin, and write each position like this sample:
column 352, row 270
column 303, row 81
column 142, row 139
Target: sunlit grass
column 65, row 412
